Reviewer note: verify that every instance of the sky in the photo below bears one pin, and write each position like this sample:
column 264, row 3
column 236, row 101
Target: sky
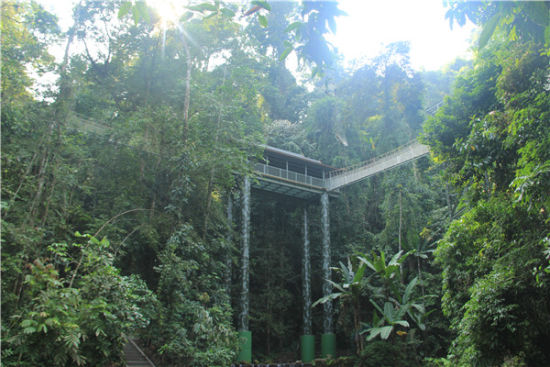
column 369, row 25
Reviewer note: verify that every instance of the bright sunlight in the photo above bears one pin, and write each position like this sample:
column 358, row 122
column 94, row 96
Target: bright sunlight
column 169, row 11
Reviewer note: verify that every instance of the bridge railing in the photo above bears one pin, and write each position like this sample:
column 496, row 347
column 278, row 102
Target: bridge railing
column 85, row 124
column 353, row 167
column 391, row 159
column 433, row 108
column 289, row 175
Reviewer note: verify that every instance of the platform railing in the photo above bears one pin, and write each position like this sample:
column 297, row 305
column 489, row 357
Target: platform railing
column 292, row 176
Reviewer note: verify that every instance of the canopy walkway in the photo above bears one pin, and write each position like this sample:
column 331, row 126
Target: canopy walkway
column 391, row 159
column 290, row 174
column 299, row 184
column 304, row 177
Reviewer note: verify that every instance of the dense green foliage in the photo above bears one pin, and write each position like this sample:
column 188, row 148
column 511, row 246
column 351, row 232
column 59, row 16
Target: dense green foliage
column 73, row 308
column 493, row 137
column 144, row 140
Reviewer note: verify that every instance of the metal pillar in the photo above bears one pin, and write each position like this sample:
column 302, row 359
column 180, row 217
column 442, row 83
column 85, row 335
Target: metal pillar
column 327, row 287
column 245, row 336
column 229, row 239
column 307, row 341
column 328, row 341
column 306, row 280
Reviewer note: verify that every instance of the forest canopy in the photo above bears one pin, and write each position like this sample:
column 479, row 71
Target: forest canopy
column 121, row 188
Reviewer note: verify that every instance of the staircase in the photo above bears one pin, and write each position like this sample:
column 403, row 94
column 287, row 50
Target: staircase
column 134, row 355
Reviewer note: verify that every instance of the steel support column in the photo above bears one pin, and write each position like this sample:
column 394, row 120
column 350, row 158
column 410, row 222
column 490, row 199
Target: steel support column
column 245, row 336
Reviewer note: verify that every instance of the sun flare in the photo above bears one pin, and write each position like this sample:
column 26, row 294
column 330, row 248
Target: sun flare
column 169, row 11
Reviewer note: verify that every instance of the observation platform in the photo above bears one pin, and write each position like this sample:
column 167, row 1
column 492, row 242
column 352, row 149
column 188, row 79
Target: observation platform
column 295, row 175
column 290, row 174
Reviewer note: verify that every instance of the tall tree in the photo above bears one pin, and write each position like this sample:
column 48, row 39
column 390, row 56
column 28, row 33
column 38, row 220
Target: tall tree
column 493, row 137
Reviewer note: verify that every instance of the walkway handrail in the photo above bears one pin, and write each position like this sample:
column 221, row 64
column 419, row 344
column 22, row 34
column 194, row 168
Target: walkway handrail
column 433, row 108
column 133, row 343
column 391, row 159
column 355, row 166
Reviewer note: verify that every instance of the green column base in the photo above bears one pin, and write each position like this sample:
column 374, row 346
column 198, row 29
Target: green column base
column 245, row 346
column 328, row 345
column 307, row 346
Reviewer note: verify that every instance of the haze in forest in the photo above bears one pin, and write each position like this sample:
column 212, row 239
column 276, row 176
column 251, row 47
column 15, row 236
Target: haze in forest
column 366, row 29
column 177, row 188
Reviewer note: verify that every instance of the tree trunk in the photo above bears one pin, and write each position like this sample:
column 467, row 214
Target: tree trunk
column 212, row 170
column 50, row 197
column 449, row 207
column 400, row 219
column 21, row 182
column 420, row 275
column 187, row 90
column 59, row 115
column 211, row 180
column 357, row 324
column 41, row 179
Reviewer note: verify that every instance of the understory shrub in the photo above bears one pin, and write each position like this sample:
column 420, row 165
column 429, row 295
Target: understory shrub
column 72, row 308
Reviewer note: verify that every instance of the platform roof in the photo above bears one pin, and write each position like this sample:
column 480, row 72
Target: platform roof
column 292, row 155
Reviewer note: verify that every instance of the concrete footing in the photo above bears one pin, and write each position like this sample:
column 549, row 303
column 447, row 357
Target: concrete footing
column 328, row 345
column 245, row 346
column 307, row 347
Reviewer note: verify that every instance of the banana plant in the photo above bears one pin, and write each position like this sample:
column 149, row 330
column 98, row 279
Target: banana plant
column 393, row 314
column 415, row 310
column 349, row 290
column 349, row 285
column 388, row 273
column 398, row 303
column 378, row 263
column 391, row 317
